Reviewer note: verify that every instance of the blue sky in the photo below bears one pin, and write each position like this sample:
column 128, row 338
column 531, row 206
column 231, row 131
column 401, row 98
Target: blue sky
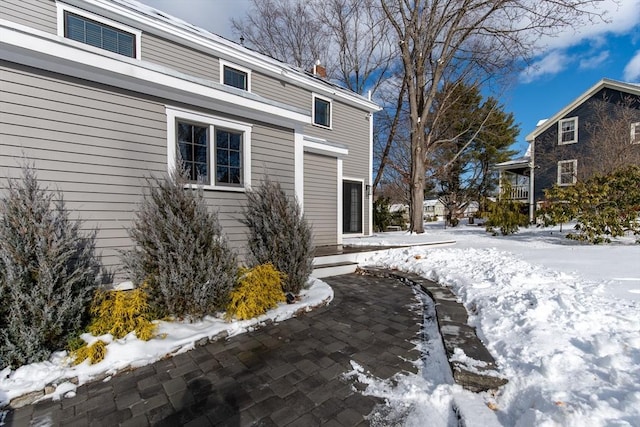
column 564, row 67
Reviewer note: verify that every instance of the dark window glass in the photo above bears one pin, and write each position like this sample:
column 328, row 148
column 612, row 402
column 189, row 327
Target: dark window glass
column 322, row 112
column 228, row 157
column 193, row 148
column 235, row 78
column 96, row 34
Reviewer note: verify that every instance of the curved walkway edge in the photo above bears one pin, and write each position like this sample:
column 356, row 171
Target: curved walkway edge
column 482, row 373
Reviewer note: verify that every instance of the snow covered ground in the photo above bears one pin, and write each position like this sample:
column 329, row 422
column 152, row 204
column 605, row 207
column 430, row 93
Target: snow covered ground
column 562, row 320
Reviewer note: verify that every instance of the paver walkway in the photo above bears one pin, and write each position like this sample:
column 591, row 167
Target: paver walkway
column 289, row 373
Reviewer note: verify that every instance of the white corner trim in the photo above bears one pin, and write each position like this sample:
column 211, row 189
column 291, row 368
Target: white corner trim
column 245, row 70
column 298, row 168
column 340, row 201
column 174, row 113
column 370, row 197
column 61, row 8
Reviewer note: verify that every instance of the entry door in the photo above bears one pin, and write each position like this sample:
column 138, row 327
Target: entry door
column 351, row 207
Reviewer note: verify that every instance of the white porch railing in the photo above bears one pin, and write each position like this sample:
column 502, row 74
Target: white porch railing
column 519, row 192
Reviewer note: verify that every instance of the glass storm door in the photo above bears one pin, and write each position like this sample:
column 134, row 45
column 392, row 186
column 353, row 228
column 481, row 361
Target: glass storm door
column 351, row 207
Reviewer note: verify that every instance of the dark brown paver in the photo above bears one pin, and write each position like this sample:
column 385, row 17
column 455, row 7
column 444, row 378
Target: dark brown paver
column 291, row 373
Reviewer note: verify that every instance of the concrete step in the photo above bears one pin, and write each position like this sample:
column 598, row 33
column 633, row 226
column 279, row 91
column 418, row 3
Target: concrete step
column 334, row 269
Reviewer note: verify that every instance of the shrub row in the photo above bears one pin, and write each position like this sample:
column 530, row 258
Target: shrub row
column 181, row 261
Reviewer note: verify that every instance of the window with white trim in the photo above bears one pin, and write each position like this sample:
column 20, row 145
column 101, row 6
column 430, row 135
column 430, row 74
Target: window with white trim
column 635, row 133
column 94, row 30
column 321, row 111
column 235, row 76
column 567, row 172
column 215, row 152
column 568, row 131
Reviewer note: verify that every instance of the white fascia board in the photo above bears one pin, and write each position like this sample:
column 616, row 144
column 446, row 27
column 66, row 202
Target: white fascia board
column 604, row 83
column 41, row 50
column 225, row 48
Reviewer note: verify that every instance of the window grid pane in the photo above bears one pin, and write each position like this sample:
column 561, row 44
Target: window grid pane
column 96, row 34
column 322, row 112
column 192, row 146
column 228, row 157
column 235, row 78
column 568, row 131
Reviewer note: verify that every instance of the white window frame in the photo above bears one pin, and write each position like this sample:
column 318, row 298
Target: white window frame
column 62, row 8
column 575, row 130
column 228, row 64
column 574, row 163
column 175, row 114
column 313, row 111
column 635, row 133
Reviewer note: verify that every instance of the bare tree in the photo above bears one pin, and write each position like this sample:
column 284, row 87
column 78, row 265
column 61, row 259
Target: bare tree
column 610, row 145
column 450, row 42
column 287, row 30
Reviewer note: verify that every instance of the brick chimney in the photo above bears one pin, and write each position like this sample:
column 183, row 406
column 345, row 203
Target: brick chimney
column 319, row 70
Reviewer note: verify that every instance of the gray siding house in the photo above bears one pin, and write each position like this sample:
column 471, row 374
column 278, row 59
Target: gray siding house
column 100, row 94
column 597, row 132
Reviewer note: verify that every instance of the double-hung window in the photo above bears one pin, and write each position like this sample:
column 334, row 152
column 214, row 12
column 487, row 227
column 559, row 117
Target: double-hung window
column 567, row 172
column 215, row 152
column 235, row 76
column 321, row 111
column 568, row 131
column 635, row 133
column 93, row 30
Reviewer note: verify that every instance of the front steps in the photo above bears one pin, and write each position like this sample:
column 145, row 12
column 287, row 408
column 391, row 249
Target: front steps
column 339, row 260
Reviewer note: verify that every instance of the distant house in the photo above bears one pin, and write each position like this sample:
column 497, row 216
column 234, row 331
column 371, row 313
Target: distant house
column 433, row 209
column 597, row 132
column 102, row 93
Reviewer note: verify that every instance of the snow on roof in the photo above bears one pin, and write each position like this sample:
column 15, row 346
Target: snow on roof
column 541, row 122
column 398, row 207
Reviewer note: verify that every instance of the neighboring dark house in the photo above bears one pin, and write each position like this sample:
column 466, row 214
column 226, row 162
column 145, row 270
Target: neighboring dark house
column 100, row 94
column 596, row 133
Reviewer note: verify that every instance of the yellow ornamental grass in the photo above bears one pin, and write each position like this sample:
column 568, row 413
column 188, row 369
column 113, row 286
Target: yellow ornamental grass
column 258, row 289
column 120, row 312
column 94, row 352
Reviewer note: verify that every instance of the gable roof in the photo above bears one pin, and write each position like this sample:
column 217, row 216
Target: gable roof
column 631, row 88
column 158, row 22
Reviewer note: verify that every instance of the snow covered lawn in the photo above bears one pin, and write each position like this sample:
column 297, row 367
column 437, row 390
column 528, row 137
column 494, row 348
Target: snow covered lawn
column 562, row 320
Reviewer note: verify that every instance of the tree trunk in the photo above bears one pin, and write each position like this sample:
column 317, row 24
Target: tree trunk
column 418, row 172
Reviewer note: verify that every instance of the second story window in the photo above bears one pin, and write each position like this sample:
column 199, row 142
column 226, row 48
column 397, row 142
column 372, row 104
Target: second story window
column 321, row 112
column 635, row 133
column 567, row 172
column 103, row 36
column 568, row 131
column 235, row 76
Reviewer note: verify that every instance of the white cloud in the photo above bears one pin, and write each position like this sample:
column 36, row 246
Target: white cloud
column 594, row 61
column 552, row 63
column 621, row 17
column 632, row 69
column 214, row 16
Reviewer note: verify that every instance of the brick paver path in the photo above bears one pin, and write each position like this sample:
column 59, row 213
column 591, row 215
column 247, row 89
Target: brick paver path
column 289, row 373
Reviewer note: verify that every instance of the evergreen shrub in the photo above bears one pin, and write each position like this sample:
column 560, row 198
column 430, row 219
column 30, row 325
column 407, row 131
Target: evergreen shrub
column 180, row 252
column 48, row 271
column 505, row 214
column 604, row 206
column 279, row 234
column 120, row 312
column 95, row 352
column 258, row 290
